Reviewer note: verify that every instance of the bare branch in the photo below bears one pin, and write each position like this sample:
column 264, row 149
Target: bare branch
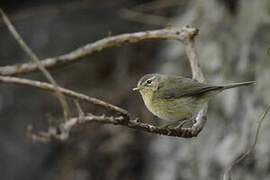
column 196, row 75
column 78, row 106
column 35, row 59
column 72, row 94
column 47, row 10
column 186, row 35
column 178, row 34
column 56, row 132
column 227, row 174
column 62, row 131
column 194, row 60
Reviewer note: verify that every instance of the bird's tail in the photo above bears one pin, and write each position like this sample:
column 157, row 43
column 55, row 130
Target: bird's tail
column 239, row 84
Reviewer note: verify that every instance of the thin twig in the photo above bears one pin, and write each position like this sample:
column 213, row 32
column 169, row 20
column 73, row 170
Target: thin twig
column 177, row 34
column 78, row 106
column 227, row 174
column 35, row 59
column 49, row 10
column 194, row 60
column 72, row 94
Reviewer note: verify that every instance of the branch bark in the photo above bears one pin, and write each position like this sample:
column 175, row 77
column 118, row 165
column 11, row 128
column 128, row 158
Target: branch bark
column 177, row 34
column 62, row 131
column 67, row 92
column 197, row 74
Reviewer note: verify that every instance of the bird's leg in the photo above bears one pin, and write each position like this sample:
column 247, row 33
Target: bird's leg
column 180, row 126
column 193, row 121
column 166, row 126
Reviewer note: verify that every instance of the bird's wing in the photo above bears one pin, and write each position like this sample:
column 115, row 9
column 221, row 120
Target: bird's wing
column 177, row 87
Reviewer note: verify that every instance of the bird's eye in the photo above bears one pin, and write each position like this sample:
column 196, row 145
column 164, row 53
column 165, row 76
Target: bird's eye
column 149, row 81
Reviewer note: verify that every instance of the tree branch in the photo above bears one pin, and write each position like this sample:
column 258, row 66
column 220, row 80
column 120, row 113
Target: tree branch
column 178, row 34
column 194, row 60
column 125, row 119
column 196, row 75
column 35, row 59
column 69, row 93
column 61, row 132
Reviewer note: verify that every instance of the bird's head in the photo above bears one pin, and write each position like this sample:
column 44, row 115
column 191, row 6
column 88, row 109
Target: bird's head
column 148, row 84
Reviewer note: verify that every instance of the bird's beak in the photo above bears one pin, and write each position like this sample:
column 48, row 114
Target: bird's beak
column 137, row 89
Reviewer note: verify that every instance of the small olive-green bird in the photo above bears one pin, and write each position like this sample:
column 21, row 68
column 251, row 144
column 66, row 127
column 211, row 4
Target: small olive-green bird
column 176, row 98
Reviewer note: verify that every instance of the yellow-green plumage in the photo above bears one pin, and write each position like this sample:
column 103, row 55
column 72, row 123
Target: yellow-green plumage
column 175, row 98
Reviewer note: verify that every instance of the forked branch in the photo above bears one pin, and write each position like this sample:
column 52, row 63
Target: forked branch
column 73, row 56
column 36, row 61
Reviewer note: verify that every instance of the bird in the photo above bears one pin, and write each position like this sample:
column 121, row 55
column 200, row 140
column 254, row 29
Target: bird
column 176, row 98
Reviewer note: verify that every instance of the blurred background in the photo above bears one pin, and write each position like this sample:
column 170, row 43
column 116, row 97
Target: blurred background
column 232, row 44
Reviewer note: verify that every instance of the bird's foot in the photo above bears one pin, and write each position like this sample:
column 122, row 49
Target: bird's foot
column 181, row 125
column 166, row 126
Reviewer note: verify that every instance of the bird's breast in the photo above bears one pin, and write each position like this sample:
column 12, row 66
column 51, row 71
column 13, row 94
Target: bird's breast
column 170, row 110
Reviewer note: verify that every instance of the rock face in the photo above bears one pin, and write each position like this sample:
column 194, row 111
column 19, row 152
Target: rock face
column 232, row 45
